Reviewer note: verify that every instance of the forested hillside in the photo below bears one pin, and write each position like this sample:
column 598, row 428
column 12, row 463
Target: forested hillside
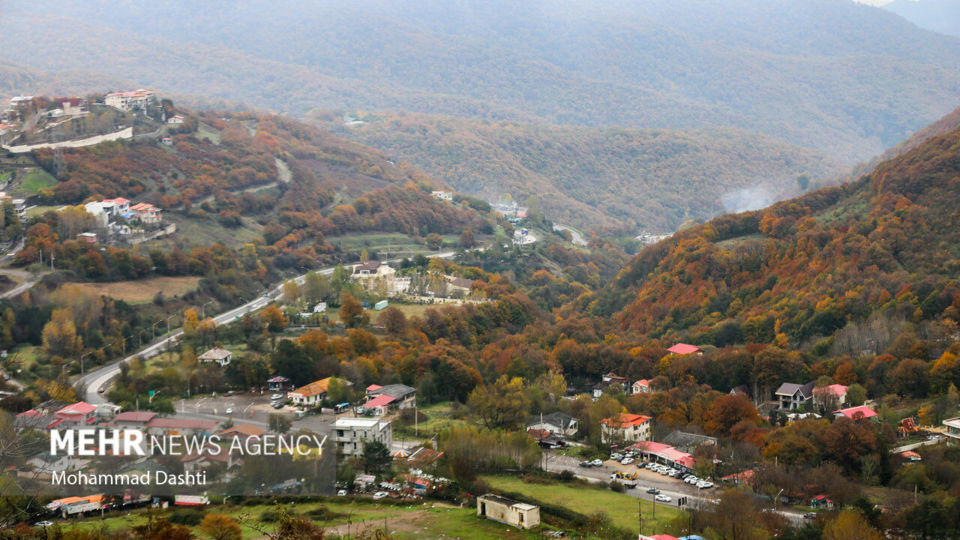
column 845, row 269
column 597, row 178
column 871, row 78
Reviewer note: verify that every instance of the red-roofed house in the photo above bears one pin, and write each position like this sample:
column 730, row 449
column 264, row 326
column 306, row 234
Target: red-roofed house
column 380, row 404
column 856, row 413
column 134, row 418
column 180, row 426
column 372, row 389
column 625, row 428
column 683, row 348
column 147, row 213
column 910, row 455
column 641, row 387
column 663, row 453
column 78, row 413
column 834, row 395
column 659, row 537
column 742, row 477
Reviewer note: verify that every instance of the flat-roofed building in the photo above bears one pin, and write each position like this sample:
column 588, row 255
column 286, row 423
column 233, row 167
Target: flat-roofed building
column 515, row 513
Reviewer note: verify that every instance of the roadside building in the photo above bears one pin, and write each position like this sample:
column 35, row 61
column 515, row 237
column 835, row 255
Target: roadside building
column 77, row 413
column 664, row 453
column 132, row 100
column 401, row 396
column 350, row 434
column 312, row 394
column 180, row 426
column 134, row 419
column 625, row 428
column 508, row 511
column 221, row 356
column 557, row 423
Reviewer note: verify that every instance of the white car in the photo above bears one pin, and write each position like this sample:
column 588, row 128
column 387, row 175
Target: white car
column 703, row 484
column 616, row 456
column 627, row 461
column 380, row 495
column 342, row 493
column 229, row 410
column 692, row 480
column 276, row 397
column 597, row 463
column 662, row 498
column 43, row 524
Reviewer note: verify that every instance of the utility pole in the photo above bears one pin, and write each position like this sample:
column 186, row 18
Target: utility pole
column 640, row 513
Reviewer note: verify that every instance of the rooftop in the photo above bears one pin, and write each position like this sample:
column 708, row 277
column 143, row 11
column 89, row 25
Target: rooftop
column 357, row 422
column 855, row 413
column 80, row 407
column 683, row 348
column 135, row 416
column 626, row 420
column 313, row 389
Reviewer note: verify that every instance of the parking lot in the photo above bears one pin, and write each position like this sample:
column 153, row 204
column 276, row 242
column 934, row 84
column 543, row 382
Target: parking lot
column 250, row 408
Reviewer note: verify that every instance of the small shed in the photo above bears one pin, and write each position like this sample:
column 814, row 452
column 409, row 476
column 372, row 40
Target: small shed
column 509, row 511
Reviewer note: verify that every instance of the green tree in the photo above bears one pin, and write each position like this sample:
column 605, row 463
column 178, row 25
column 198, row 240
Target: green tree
column 503, row 404
column 280, row 423
column 376, row 457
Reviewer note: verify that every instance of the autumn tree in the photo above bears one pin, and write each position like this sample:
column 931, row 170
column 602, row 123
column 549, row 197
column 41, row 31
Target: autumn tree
column 60, row 335
column 275, row 320
column 467, row 239
column 728, row 411
column 220, row 527
column 502, row 404
column 847, row 442
column 351, row 312
column 393, row 321
column 850, row 525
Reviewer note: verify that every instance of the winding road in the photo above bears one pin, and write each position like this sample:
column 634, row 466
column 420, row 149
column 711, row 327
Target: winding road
column 102, row 376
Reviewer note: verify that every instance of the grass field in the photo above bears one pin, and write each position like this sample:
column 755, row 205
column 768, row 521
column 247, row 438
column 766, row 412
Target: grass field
column 34, row 182
column 418, row 520
column 621, row 509
column 399, row 245
column 209, row 133
column 439, row 416
column 143, row 290
column 204, row 232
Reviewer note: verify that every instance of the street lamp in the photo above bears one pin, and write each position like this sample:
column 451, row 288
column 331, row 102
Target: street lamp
column 82, row 356
column 203, row 309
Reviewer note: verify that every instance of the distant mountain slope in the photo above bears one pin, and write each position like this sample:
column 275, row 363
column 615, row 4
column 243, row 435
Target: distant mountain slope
column 17, row 80
column 807, row 267
column 595, row 178
column 938, row 15
column 845, row 79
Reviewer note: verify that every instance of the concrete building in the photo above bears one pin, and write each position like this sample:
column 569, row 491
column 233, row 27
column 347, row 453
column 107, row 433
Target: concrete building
column 626, row 428
column 791, row 396
column 509, row 511
column 557, row 423
column 351, row 433
column 128, row 101
column 952, row 430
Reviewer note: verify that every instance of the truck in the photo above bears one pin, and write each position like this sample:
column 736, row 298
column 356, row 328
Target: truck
column 629, row 480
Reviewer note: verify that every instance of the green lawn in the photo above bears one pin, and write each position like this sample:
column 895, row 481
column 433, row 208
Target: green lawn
column 35, row 181
column 418, row 520
column 399, row 245
column 439, row 417
column 209, row 133
column 204, row 232
column 621, row 509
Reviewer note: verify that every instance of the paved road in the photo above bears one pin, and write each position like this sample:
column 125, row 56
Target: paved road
column 102, row 376
column 24, row 276
column 575, row 235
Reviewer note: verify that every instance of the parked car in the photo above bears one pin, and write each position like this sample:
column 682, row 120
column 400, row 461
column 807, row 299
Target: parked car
column 662, row 498
column 597, row 463
column 341, row 493
column 276, row 397
column 380, row 495
column 616, row 456
column 43, row 524
column 277, row 405
column 229, row 410
column 586, row 464
column 627, row 461
column 703, row 484
column 653, row 491
column 810, row 515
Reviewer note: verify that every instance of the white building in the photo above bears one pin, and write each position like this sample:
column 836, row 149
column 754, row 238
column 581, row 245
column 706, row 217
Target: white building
column 128, row 101
column 952, row 430
column 218, row 355
column 509, row 511
column 351, row 433
column 443, row 195
column 625, row 428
